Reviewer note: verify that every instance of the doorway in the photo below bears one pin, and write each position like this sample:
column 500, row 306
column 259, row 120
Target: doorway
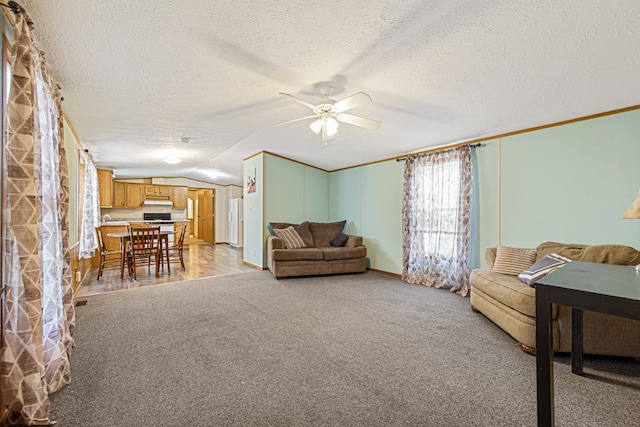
column 204, row 211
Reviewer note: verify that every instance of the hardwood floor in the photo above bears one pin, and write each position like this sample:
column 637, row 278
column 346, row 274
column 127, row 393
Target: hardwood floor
column 201, row 259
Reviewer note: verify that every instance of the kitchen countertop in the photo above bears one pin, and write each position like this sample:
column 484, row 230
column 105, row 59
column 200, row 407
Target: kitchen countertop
column 122, row 222
column 114, row 223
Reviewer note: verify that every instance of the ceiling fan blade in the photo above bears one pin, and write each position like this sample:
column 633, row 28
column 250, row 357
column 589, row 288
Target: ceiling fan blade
column 298, row 100
column 353, row 101
column 358, row 121
column 295, row 120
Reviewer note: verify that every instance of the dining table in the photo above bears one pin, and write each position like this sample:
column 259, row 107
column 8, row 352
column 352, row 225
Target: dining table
column 124, row 239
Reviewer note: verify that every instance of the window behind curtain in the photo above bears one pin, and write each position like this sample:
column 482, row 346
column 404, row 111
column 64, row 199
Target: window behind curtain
column 436, row 210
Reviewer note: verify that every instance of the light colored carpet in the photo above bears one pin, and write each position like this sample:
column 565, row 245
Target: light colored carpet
column 365, row 350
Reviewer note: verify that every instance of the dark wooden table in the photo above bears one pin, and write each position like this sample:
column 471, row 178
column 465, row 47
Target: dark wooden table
column 604, row 288
column 124, row 237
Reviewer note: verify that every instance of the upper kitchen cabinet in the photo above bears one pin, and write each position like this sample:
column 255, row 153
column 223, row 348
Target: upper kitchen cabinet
column 179, row 197
column 135, row 195
column 105, row 187
column 157, row 191
column 119, row 194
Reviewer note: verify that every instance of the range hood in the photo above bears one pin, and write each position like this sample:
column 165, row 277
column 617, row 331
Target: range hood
column 158, row 202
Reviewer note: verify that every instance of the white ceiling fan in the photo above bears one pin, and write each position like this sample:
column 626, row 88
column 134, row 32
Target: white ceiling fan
column 330, row 112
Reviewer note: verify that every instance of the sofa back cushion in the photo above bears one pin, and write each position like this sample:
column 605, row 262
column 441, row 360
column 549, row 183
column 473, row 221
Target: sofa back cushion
column 323, row 232
column 609, row 254
column 302, row 229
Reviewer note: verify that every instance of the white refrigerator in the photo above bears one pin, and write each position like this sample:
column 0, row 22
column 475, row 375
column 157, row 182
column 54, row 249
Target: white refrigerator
column 235, row 222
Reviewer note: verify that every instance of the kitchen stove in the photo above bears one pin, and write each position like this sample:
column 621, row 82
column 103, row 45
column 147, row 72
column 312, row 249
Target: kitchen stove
column 157, row 218
column 162, row 219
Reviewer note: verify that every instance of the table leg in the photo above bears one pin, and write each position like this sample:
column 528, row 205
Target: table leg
column 544, row 357
column 122, row 257
column 167, row 254
column 577, row 344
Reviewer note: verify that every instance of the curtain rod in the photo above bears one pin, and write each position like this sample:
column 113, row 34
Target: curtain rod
column 470, row 145
column 13, row 6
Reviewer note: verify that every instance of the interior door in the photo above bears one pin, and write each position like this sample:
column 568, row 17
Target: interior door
column 207, row 224
column 200, row 216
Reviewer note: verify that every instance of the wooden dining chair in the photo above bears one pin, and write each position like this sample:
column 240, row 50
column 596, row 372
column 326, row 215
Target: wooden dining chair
column 144, row 245
column 175, row 251
column 108, row 258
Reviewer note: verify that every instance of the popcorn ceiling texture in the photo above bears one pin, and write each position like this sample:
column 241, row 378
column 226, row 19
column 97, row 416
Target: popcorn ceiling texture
column 138, row 76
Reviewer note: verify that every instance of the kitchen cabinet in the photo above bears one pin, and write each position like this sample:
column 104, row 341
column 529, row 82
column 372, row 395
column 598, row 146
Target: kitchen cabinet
column 179, row 197
column 105, row 183
column 119, row 194
column 157, row 191
column 177, row 226
column 135, row 195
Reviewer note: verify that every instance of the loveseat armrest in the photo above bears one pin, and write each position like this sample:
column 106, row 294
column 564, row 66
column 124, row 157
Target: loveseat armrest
column 273, row 242
column 353, row 241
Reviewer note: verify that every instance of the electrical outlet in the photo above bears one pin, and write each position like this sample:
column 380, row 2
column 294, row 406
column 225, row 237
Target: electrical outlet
column 254, row 251
column 78, row 276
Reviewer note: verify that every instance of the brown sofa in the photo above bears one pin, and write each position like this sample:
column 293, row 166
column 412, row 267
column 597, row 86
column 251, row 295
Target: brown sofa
column 319, row 257
column 510, row 304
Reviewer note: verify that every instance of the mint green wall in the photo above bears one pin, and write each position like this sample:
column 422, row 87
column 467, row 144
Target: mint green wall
column 253, row 250
column 486, row 194
column 345, row 202
column 382, row 185
column 316, row 195
column 571, row 183
column 283, row 191
column 370, row 199
column 294, row 193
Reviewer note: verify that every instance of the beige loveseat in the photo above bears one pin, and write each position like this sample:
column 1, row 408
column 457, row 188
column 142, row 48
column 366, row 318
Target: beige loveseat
column 319, row 256
column 510, row 304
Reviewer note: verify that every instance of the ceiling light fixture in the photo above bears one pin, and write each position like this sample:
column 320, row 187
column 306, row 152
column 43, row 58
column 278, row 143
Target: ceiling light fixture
column 316, row 126
column 172, row 160
column 330, row 113
column 332, row 126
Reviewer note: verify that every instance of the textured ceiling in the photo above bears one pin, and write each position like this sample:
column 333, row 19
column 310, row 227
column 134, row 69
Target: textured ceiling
column 137, row 76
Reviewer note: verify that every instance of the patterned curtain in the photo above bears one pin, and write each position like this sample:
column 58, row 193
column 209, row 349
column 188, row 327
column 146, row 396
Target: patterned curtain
column 91, row 211
column 435, row 215
column 38, row 301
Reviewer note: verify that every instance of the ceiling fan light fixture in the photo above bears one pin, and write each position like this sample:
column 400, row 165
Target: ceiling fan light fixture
column 332, row 126
column 316, row 126
column 330, row 113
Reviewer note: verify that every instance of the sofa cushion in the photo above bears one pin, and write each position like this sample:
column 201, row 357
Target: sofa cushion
column 332, row 253
column 513, row 261
column 290, row 237
column 507, row 290
column 542, row 267
column 302, row 229
column 304, row 254
column 339, row 240
column 323, row 232
column 610, row 254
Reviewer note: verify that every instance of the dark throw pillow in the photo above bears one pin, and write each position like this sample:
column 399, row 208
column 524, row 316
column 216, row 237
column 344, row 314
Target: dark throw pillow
column 339, row 240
